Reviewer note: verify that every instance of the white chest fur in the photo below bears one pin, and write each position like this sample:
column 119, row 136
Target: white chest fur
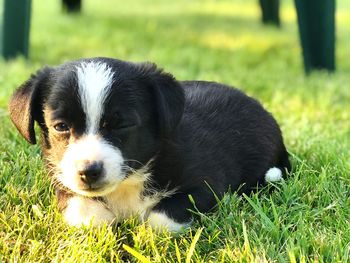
column 128, row 198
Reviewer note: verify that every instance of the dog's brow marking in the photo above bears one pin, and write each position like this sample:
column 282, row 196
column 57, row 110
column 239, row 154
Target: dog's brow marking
column 94, row 84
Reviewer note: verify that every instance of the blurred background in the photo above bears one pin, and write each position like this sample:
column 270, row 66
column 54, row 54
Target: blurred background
column 63, row 30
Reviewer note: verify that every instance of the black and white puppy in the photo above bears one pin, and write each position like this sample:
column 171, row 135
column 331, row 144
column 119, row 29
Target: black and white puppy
column 122, row 139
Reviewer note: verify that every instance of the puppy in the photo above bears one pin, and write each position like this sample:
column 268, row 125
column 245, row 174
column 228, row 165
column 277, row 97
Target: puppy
column 122, row 139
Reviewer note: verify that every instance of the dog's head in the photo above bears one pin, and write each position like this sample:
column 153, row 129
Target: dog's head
column 99, row 118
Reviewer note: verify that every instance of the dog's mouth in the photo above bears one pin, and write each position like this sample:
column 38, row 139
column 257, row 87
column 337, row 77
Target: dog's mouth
column 100, row 188
column 96, row 188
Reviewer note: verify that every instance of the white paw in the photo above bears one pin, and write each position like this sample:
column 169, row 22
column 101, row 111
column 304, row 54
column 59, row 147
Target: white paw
column 160, row 220
column 85, row 211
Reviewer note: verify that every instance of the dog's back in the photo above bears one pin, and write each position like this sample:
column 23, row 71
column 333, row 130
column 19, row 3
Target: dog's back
column 225, row 140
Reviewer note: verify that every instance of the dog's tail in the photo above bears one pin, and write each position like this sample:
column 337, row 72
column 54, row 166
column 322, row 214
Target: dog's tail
column 277, row 173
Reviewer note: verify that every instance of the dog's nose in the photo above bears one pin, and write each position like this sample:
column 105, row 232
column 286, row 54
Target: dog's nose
column 90, row 172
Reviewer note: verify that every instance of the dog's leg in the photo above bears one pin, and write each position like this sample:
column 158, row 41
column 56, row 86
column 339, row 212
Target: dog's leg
column 173, row 212
column 79, row 210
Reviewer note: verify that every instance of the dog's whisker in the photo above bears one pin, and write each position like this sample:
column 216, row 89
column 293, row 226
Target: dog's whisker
column 136, row 161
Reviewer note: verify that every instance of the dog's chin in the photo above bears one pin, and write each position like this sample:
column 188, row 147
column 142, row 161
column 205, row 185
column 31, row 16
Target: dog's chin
column 96, row 192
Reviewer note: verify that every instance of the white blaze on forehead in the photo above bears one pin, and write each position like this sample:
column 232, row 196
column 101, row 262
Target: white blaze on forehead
column 94, row 84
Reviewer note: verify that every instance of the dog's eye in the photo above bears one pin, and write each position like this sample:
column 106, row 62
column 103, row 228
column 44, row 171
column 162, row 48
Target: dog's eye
column 117, row 126
column 61, row 127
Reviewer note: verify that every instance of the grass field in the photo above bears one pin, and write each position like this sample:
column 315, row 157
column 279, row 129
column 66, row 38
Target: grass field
column 306, row 218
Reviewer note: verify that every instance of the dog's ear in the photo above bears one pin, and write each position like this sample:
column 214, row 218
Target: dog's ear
column 169, row 97
column 25, row 104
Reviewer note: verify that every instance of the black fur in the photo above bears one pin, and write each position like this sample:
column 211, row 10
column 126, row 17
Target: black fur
column 198, row 133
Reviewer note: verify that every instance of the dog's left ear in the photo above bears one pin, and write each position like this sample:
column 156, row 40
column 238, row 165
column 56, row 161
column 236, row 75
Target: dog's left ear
column 25, row 104
column 169, row 97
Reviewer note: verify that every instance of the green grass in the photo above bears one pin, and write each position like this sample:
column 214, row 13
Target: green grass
column 306, row 218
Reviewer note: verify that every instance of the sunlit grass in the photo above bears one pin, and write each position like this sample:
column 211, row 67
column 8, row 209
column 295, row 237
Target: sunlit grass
column 305, row 218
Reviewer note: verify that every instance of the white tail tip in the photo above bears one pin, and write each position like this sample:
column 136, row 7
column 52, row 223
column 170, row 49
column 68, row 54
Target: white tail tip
column 274, row 174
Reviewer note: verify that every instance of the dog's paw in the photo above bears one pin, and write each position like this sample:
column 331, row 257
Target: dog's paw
column 85, row 211
column 159, row 220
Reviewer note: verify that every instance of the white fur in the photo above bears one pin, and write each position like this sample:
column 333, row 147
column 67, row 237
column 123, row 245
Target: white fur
column 91, row 148
column 85, row 211
column 274, row 174
column 94, row 84
column 160, row 220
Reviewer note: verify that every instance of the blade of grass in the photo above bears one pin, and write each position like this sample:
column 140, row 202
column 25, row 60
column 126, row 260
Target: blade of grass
column 136, row 254
column 193, row 245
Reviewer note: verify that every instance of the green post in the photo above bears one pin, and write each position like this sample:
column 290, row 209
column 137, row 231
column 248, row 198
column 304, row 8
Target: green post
column 71, row 6
column 316, row 20
column 270, row 11
column 14, row 31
